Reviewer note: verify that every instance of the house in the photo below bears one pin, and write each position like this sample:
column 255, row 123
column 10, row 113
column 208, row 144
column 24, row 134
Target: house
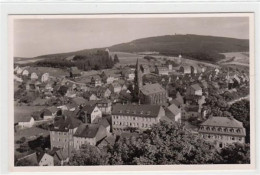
column 105, row 123
column 126, row 116
column 30, row 86
column 89, row 134
column 34, row 76
column 96, row 81
column 108, row 141
column 185, row 69
column 115, row 88
column 78, row 101
column 194, row 89
column 128, row 74
column 45, row 77
column 153, row 94
column 90, row 96
column 58, row 156
column 44, row 159
column 110, row 77
column 18, row 79
column 145, row 69
column 90, row 114
column 61, row 133
column 105, row 106
column 74, row 72
column 25, row 121
column 222, row 131
column 173, row 113
column 161, row 70
column 25, row 73
column 102, row 92
column 191, row 111
column 53, row 109
column 47, row 114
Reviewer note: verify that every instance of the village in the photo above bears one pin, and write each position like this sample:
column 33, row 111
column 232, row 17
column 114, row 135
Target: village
column 57, row 113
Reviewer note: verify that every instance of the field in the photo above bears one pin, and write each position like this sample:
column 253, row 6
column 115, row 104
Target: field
column 236, row 58
column 55, row 72
column 129, row 58
column 20, row 111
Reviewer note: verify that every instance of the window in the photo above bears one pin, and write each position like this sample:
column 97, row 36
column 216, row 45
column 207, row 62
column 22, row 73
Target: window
column 134, row 118
column 232, row 138
column 219, row 129
column 238, row 131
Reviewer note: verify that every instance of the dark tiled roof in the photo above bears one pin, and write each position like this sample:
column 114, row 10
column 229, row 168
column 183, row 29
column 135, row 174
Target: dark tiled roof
column 64, row 123
column 89, row 130
column 88, row 108
column 79, row 100
column 152, row 88
column 136, row 110
column 103, row 122
column 223, row 121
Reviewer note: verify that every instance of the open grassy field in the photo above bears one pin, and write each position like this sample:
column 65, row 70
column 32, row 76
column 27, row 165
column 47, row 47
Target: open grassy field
column 236, row 58
column 129, row 58
column 25, row 110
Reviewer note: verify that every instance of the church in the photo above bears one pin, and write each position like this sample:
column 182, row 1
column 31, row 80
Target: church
column 149, row 93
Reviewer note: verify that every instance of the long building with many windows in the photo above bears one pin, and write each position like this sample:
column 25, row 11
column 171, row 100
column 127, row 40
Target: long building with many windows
column 126, row 116
column 222, row 131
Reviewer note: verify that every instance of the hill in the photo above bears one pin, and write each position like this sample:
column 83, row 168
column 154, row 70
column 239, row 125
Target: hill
column 196, row 47
column 205, row 48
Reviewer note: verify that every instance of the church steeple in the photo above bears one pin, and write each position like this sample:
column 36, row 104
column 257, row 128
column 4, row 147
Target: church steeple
column 138, row 78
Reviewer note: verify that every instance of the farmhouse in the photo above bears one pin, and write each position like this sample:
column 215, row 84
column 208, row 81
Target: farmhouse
column 194, row 89
column 88, row 134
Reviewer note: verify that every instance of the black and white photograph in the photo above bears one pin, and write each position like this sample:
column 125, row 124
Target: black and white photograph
column 135, row 89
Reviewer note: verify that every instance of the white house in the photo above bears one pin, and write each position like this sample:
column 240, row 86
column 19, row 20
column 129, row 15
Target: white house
column 25, row 121
column 45, row 159
column 173, row 113
column 45, row 77
column 92, row 113
column 25, row 72
column 34, row 76
column 194, row 89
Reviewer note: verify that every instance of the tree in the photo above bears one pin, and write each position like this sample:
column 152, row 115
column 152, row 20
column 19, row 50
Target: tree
column 87, row 155
column 116, row 60
column 25, row 162
column 236, row 154
column 63, row 90
column 241, row 111
column 164, row 144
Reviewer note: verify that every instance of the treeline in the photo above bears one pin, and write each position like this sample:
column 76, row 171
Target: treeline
column 164, row 144
column 201, row 56
column 98, row 60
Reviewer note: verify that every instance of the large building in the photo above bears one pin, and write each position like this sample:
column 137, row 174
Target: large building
column 61, row 134
column 126, row 116
column 153, row 94
column 222, row 131
column 149, row 93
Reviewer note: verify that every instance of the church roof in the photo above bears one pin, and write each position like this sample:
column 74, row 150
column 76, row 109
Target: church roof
column 152, row 89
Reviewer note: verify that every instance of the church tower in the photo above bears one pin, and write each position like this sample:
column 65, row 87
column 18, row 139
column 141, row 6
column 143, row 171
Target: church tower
column 138, row 78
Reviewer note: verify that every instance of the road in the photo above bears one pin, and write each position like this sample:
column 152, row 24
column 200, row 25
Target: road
column 236, row 100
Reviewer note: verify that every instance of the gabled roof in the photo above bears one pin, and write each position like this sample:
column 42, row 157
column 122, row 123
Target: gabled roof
column 64, row 123
column 89, row 108
column 103, row 122
column 79, row 100
column 152, row 88
column 88, row 130
column 136, row 110
column 223, row 121
column 196, row 87
column 174, row 109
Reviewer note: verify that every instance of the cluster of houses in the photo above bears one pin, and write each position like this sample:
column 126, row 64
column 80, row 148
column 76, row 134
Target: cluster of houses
column 102, row 108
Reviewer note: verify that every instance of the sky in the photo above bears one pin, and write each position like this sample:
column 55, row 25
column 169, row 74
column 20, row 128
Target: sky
column 35, row 37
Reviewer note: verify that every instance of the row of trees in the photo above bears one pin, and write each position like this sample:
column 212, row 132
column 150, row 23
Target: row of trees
column 163, row 144
column 90, row 61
